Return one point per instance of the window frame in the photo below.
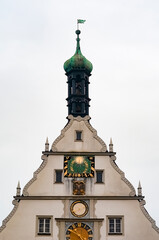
(115, 232)
(44, 233)
(96, 173)
(55, 178)
(76, 139)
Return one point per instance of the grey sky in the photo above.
(121, 39)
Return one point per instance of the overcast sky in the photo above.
(121, 39)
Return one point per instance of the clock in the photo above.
(79, 166)
(79, 208)
(79, 231)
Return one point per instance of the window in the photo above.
(58, 178)
(78, 135)
(44, 225)
(99, 176)
(78, 107)
(115, 225)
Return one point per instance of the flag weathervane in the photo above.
(79, 21)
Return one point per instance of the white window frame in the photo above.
(44, 232)
(115, 232)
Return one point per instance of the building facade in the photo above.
(78, 192)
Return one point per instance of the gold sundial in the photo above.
(79, 166)
(79, 231)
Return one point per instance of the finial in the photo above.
(139, 189)
(78, 49)
(47, 145)
(111, 145)
(18, 189)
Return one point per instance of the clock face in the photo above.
(79, 166)
(79, 231)
(79, 208)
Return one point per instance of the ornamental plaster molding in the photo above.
(115, 166)
(54, 148)
(104, 147)
(79, 119)
(44, 158)
(4, 223)
(147, 215)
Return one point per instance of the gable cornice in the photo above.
(4, 222)
(44, 158)
(115, 166)
(147, 215)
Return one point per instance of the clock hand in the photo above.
(78, 234)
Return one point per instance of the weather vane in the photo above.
(79, 21)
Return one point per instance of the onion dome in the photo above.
(78, 61)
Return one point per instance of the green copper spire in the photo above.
(78, 61)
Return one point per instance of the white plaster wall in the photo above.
(136, 225)
(113, 184)
(88, 143)
(45, 184)
(22, 226)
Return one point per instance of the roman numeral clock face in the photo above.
(79, 231)
(79, 166)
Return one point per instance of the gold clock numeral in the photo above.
(79, 224)
(93, 168)
(73, 226)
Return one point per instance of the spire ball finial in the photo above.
(78, 32)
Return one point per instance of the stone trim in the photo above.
(79, 119)
(79, 153)
(79, 219)
(115, 166)
(147, 215)
(4, 222)
(79, 197)
(44, 158)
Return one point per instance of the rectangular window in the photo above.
(115, 225)
(78, 135)
(58, 176)
(44, 226)
(99, 176)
